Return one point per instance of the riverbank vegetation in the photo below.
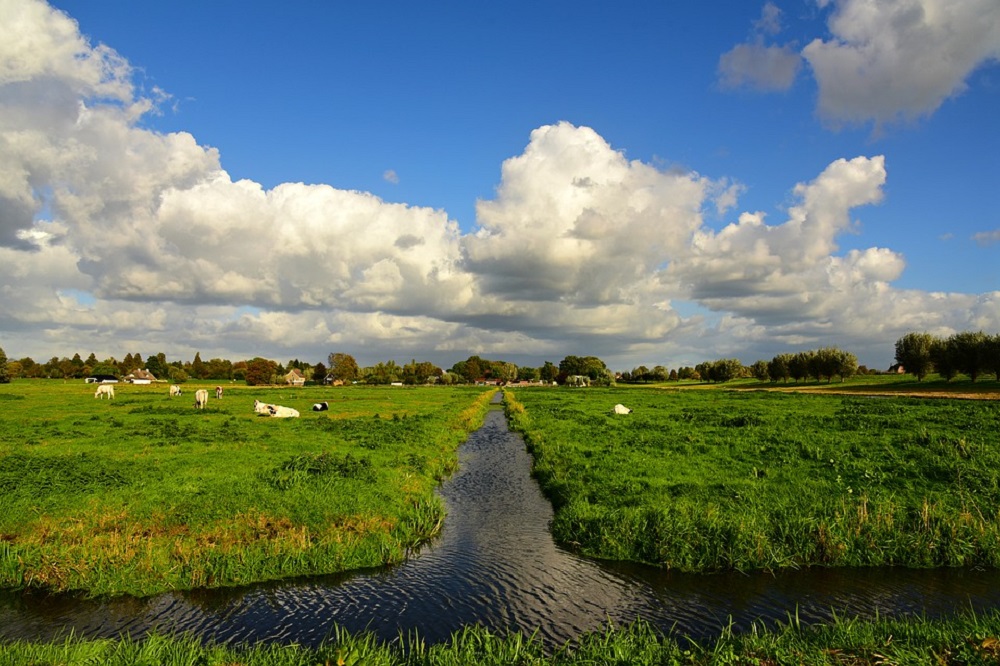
(965, 639)
(144, 493)
(698, 480)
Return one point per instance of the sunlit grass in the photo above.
(716, 479)
(145, 493)
(964, 639)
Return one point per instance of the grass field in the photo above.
(144, 493)
(965, 639)
(700, 480)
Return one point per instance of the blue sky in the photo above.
(426, 106)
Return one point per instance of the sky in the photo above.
(650, 183)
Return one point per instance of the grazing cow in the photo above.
(175, 390)
(622, 409)
(280, 412)
(218, 392)
(320, 407)
(200, 398)
(105, 390)
(262, 407)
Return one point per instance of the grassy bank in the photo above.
(712, 479)
(144, 493)
(965, 639)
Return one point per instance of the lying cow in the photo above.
(262, 407)
(622, 409)
(320, 407)
(218, 392)
(280, 412)
(105, 390)
(200, 398)
(175, 390)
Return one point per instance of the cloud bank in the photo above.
(115, 238)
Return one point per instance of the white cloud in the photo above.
(901, 59)
(986, 238)
(761, 67)
(390, 176)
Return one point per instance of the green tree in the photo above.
(198, 367)
(156, 365)
(970, 352)
(548, 372)
(4, 370)
(104, 369)
(944, 358)
(260, 371)
(913, 352)
(343, 367)
(759, 371)
(993, 355)
(778, 368)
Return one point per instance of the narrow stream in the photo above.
(495, 564)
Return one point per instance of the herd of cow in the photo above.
(201, 399)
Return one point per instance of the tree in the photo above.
(913, 352)
(548, 372)
(944, 358)
(993, 355)
(343, 367)
(260, 371)
(759, 371)
(777, 368)
(4, 371)
(970, 352)
(320, 372)
(104, 369)
(156, 364)
(198, 367)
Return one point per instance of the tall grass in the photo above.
(702, 480)
(145, 493)
(966, 639)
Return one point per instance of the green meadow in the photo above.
(701, 480)
(145, 493)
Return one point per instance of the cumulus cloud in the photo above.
(116, 238)
(758, 65)
(888, 61)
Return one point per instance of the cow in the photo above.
(218, 392)
(622, 409)
(320, 407)
(200, 398)
(105, 390)
(262, 407)
(175, 390)
(280, 412)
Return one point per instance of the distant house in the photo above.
(333, 381)
(140, 377)
(101, 379)
(295, 377)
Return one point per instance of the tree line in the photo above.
(968, 353)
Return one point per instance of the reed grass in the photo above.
(714, 479)
(145, 493)
(966, 639)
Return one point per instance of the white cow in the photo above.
(280, 412)
(218, 392)
(174, 390)
(262, 407)
(622, 409)
(105, 390)
(200, 398)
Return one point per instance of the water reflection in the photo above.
(496, 564)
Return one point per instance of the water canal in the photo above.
(495, 564)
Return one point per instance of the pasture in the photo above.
(700, 480)
(144, 493)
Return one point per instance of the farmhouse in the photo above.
(140, 377)
(295, 377)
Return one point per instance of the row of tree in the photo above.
(968, 353)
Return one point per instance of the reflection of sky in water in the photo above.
(495, 564)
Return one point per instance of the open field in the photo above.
(966, 639)
(144, 493)
(713, 479)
